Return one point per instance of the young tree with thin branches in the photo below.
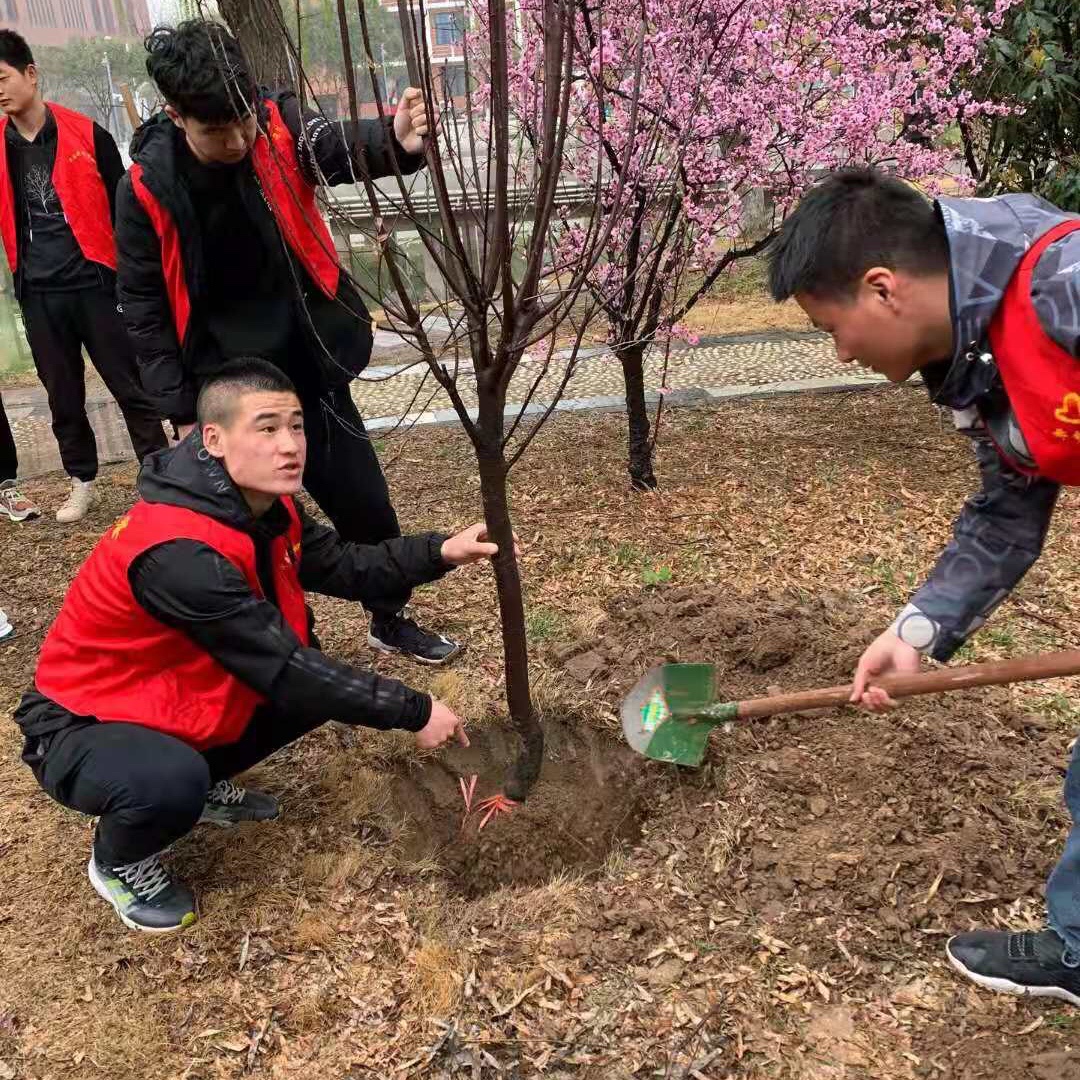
(500, 304)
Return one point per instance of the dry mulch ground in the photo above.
(778, 913)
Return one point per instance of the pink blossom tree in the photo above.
(736, 98)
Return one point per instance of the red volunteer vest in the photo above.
(291, 200)
(79, 188)
(107, 657)
(1041, 379)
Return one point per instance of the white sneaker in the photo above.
(6, 629)
(78, 502)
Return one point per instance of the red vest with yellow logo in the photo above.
(291, 200)
(105, 656)
(78, 185)
(1041, 379)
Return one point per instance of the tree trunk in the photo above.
(524, 771)
(637, 418)
(256, 24)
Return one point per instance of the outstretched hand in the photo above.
(443, 725)
(471, 545)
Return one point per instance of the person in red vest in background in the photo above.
(58, 178)
(184, 652)
(224, 253)
(982, 298)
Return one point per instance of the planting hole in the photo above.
(588, 801)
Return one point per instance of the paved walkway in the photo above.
(400, 395)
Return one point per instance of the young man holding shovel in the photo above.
(224, 253)
(982, 298)
(183, 652)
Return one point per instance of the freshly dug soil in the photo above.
(905, 826)
(590, 799)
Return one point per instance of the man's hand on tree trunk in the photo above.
(471, 545)
(411, 121)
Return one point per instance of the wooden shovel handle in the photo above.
(997, 673)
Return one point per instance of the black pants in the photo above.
(58, 326)
(147, 787)
(9, 458)
(344, 477)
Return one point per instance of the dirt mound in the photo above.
(589, 800)
(803, 641)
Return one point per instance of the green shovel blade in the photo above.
(669, 714)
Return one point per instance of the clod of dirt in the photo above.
(589, 800)
(771, 650)
(585, 666)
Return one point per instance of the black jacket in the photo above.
(110, 166)
(188, 585)
(337, 332)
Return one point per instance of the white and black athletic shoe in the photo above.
(227, 804)
(1016, 963)
(144, 895)
(399, 634)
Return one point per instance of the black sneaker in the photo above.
(144, 895)
(228, 805)
(1016, 963)
(399, 634)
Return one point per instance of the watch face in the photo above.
(916, 629)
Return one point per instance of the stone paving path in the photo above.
(386, 393)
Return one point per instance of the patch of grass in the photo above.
(543, 624)
(1001, 637)
(651, 572)
(657, 575)
(1068, 1022)
(1057, 707)
(965, 654)
(630, 556)
(896, 584)
(1036, 795)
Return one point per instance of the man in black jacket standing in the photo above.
(183, 654)
(224, 253)
(58, 178)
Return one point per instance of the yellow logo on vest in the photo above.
(1069, 411)
(120, 526)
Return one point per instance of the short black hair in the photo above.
(201, 71)
(850, 222)
(14, 50)
(245, 375)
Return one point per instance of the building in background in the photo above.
(56, 22)
(445, 36)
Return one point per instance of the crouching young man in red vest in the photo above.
(982, 296)
(182, 654)
(58, 176)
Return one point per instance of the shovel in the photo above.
(670, 713)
